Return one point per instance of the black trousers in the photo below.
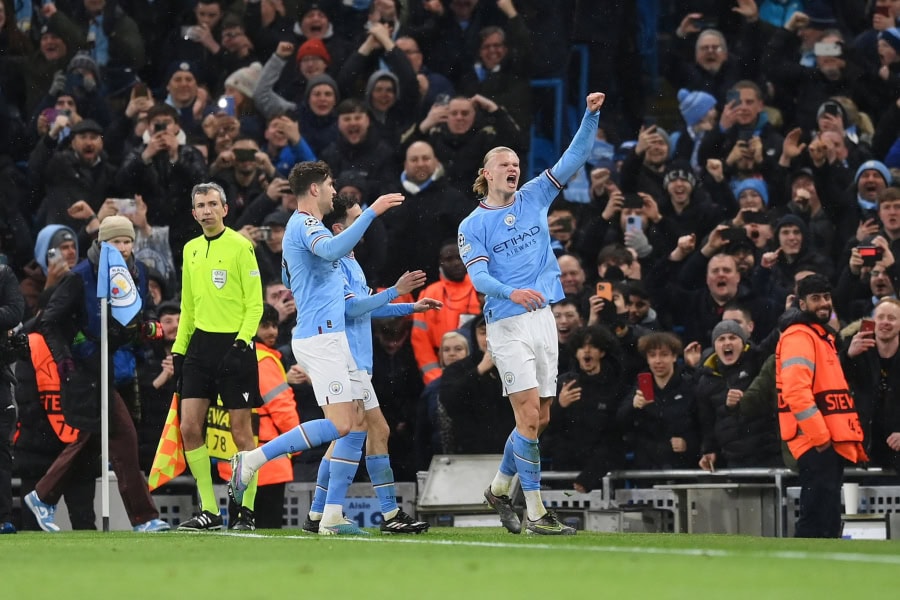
(821, 476)
(7, 426)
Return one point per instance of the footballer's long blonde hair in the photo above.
(480, 187)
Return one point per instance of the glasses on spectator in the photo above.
(711, 48)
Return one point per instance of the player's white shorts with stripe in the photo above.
(361, 382)
(327, 360)
(525, 349)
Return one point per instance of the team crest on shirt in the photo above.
(310, 221)
(335, 387)
(510, 220)
(366, 395)
(509, 378)
(219, 278)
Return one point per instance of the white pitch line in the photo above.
(709, 552)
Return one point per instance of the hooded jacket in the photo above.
(36, 271)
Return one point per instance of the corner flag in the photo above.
(114, 283)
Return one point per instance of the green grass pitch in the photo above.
(460, 563)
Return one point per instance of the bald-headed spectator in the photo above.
(428, 218)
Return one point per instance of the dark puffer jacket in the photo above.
(736, 439)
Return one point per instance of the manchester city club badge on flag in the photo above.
(114, 283)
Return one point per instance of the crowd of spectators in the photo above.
(778, 162)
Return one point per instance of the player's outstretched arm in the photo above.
(386, 202)
(579, 149)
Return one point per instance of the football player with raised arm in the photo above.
(505, 244)
(311, 269)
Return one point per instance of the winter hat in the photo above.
(115, 226)
(322, 79)
(729, 326)
(378, 76)
(892, 37)
(758, 185)
(679, 170)
(694, 105)
(83, 60)
(182, 65)
(791, 219)
(306, 7)
(245, 80)
(813, 284)
(875, 165)
(665, 137)
(313, 47)
(892, 159)
(820, 14)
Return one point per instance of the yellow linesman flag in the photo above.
(169, 461)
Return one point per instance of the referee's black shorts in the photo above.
(201, 379)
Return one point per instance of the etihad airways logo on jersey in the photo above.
(518, 243)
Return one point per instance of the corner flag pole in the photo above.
(115, 289)
(104, 413)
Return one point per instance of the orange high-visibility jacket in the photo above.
(459, 298)
(277, 415)
(47, 377)
(814, 401)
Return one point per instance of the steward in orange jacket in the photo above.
(460, 305)
(816, 412)
(815, 406)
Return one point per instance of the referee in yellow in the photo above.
(221, 305)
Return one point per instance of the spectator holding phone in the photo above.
(659, 417)
(163, 170)
(744, 132)
(866, 279)
(268, 237)
(244, 172)
(872, 365)
(80, 171)
(55, 252)
(316, 112)
(583, 434)
(837, 70)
